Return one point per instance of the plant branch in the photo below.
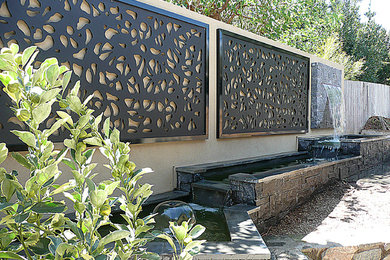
(23, 244)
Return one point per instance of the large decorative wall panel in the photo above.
(146, 67)
(261, 89)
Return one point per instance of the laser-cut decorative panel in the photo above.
(146, 67)
(261, 89)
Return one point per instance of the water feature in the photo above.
(178, 211)
(327, 147)
(214, 220)
(330, 147)
(264, 165)
(172, 211)
(336, 107)
(268, 168)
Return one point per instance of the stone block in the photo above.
(304, 145)
(271, 186)
(275, 203)
(313, 181)
(264, 212)
(292, 182)
(333, 172)
(361, 252)
(290, 198)
(262, 201)
(375, 253)
(184, 181)
(306, 189)
(353, 170)
(314, 253)
(259, 189)
(324, 175)
(344, 174)
(185, 187)
(340, 253)
(244, 193)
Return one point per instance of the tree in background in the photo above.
(222, 10)
(311, 26)
(368, 41)
(304, 24)
(384, 72)
(372, 45)
(333, 50)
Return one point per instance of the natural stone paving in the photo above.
(353, 214)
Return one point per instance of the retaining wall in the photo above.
(276, 195)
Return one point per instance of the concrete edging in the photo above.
(246, 241)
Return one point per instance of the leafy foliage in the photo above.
(35, 217)
(183, 236)
(309, 25)
(32, 216)
(368, 41)
(222, 10)
(304, 24)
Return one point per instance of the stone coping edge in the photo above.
(201, 168)
(250, 178)
(375, 137)
(246, 242)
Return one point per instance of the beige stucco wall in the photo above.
(162, 157)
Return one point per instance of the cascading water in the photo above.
(336, 106)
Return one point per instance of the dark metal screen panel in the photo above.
(261, 89)
(146, 67)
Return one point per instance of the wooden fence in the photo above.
(362, 100)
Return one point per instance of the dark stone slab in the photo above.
(322, 74)
(171, 195)
(210, 193)
(202, 168)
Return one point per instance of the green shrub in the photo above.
(183, 244)
(33, 218)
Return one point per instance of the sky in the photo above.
(381, 8)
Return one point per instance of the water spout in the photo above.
(336, 106)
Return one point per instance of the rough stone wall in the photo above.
(375, 154)
(276, 195)
(386, 151)
(185, 180)
(322, 74)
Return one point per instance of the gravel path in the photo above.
(343, 214)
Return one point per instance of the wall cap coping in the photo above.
(363, 139)
(286, 171)
(246, 241)
(211, 185)
(202, 168)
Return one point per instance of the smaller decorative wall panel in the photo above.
(146, 67)
(261, 89)
(322, 76)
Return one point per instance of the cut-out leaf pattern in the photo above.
(264, 89)
(123, 52)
